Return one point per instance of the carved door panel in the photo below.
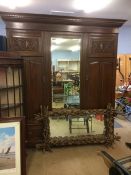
(102, 45)
(34, 84)
(98, 70)
(24, 42)
(34, 93)
(107, 78)
(92, 93)
(100, 83)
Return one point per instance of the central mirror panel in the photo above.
(65, 54)
(65, 74)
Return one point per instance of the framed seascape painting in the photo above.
(12, 148)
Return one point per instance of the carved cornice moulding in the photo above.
(51, 19)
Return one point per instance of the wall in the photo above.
(124, 40)
(2, 28)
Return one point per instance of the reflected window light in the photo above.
(53, 47)
(75, 48)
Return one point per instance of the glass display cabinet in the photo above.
(11, 85)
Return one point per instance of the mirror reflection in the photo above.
(65, 58)
(76, 125)
(65, 54)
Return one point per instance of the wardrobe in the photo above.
(29, 35)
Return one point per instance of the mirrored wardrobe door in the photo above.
(65, 72)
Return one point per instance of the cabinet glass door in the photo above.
(65, 57)
(11, 101)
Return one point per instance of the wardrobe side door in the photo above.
(100, 83)
(107, 76)
(34, 98)
(93, 85)
(34, 85)
(98, 65)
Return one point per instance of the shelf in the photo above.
(10, 87)
(70, 71)
(6, 107)
(68, 60)
(68, 65)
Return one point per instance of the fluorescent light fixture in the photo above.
(12, 4)
(58, 40)
(89, 6)
(74, 48)
(58, 11)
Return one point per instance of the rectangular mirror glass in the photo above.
(65, 56)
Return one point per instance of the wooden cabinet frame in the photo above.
(29, 34)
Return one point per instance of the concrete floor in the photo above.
(81, 160)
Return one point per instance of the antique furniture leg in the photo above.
(70, 124)
(87, 123)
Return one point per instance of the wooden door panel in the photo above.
(34, 95)
(24, 42)
(121, 70)
(125, 68)
(100, 83)
(93, 85)
(102, 45)
(107, 83)
(34, 85)
(128, 66)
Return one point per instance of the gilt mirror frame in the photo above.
(107, 138)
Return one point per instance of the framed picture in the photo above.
(12, 147)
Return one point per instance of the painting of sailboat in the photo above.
(7, 148)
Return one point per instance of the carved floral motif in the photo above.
(102, 46)
(24, 44)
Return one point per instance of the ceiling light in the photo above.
(12, 4)
(91, 5)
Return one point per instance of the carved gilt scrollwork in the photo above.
(106, 138)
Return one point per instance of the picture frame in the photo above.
(12, 146)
